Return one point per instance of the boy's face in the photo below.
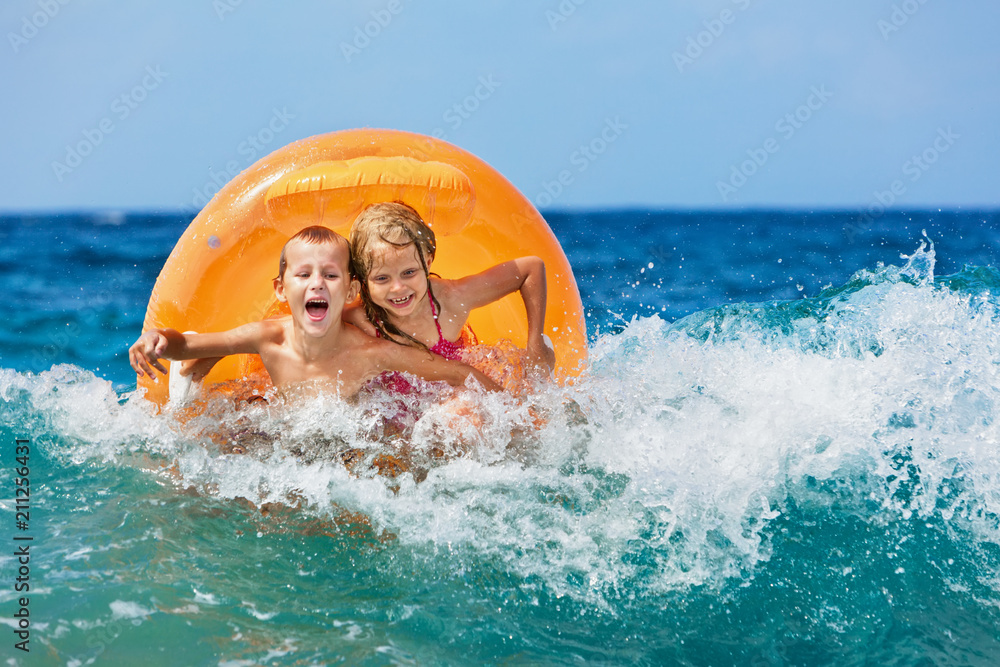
(316, 284)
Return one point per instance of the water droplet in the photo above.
(214, 241)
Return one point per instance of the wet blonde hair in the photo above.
(398, 225)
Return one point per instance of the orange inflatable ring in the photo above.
(219, 273)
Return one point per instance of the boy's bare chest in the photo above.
(345, 370)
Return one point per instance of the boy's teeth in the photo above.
(316, 307)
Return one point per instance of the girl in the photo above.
(391, 253)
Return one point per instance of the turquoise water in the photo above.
(785, 451)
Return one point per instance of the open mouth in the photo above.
(316, 309)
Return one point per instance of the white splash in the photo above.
(661, 468)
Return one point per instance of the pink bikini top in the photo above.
(395, 382)
(444, 347)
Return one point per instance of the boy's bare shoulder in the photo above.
(374, 355)
(275, 323)
(273, 330)
(358, 341)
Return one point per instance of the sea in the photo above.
(784, 450)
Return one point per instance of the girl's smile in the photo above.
(397, 282)
(401, 302)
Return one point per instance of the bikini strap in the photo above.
(435, 315)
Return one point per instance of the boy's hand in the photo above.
(540, 353)
(145, 353)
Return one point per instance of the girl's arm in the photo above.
(429, 366)
(524, 274)
(156, 344)
(355, 314)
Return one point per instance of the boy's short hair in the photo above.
(316, 234)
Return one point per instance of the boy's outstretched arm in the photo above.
(153, 345)
(156, 344)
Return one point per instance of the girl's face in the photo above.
(397, 281)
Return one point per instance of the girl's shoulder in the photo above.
(452, 296)
(443, 288)
(479, 289)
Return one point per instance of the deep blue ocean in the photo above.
(785, 451)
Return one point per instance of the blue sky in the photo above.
(686, 104)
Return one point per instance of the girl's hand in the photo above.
(145, 353)
(540, 352)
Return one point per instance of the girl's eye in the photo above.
(409, 272)
(379, 279)
(331, 276)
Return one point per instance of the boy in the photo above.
(314, 349)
